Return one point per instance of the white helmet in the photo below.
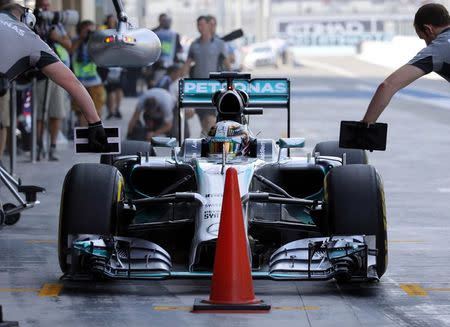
(228, 137)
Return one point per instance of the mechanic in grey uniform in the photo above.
(153, 115)
(432, 24)
(22, 50)
(208, 53)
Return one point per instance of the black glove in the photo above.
(97, 137)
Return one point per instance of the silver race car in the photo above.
(141, 216)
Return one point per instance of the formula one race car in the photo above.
(142, 216)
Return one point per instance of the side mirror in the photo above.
(290, 143)
(164, 142)
(125, 47)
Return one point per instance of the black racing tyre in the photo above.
(331, 148)
(90, 198)
(128, 147)
(354, 203)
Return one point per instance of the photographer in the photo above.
(30, 52)
(85, 69)
(53, 33)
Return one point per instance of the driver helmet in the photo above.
(229, 137)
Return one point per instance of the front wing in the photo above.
(341, 257)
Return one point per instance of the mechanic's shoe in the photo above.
(118, 115)
(110, 115)
(51, 154)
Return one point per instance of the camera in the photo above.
(65, 17)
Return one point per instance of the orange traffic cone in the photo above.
(232, 283)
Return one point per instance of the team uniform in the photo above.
(22, 50)
(208, 57)
(435, 57)
(151, 121)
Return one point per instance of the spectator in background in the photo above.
(170, 47)
(206, 52)
(153, 115)
(111, 78)
(229, 49)
(173, 74)
(47, 91)
(85, 69)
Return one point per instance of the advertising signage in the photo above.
(338, 31)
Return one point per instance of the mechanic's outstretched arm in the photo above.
(63, 76)
(402, 77)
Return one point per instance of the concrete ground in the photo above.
(415, 291)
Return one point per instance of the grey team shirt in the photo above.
(21, 49)
(164, 99)
(436, 56)
(207, 56)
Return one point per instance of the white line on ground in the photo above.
(444, 190)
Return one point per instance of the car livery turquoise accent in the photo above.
(260, 91)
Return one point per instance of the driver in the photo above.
(29, 51)
(230, 138)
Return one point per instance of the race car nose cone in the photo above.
(127, 48)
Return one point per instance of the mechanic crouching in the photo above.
(153, 115)
(27, 51)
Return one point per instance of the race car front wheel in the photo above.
(354, 202)
(332, 149)
(90, 197)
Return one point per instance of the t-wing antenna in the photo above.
(229, 77)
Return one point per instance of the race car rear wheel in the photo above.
(354, 202)
(331, 148)
(89, 205)
(128, 147)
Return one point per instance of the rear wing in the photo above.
(269, 93)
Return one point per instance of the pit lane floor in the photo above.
(415, 291)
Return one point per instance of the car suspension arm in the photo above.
(272, 185)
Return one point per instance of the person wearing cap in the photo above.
(30, 52)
